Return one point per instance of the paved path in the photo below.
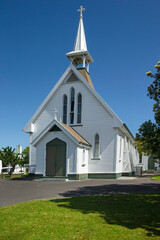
(16, 191)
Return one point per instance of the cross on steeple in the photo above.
(81, 10)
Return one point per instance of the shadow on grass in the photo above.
(131, 211)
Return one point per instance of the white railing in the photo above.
(18, 169)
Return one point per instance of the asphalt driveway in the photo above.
(16, 191)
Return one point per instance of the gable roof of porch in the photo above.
(69, 131)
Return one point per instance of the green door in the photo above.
(150, 163)
(56, 158)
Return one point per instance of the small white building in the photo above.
(147, 163)
(74, 133)
(19, 149)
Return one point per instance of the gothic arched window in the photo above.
(72, 106)
(65, 109)
(79, 108)
(96, 146)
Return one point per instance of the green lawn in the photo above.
(128, 216)
(156, 178)
(13, 175)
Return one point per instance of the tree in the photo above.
(154, 92)
(25, 155)
(8, 156)
(148, 138)
(139, 146)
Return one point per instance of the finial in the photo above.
(55, 113)
(81, 10)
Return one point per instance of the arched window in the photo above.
(65, 109)
(72, 106)
(96, 146)
(79, 108)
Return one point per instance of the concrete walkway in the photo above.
(16, 191)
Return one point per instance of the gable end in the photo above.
(72, 78)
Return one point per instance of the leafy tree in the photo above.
(148, 138)
(8, 156)
(25, 155)
(24, 158)
(154, 92)
(139, 146)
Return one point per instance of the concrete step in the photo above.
(45, 179)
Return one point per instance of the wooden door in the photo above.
(56, 158)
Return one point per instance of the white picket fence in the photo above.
(18, 169)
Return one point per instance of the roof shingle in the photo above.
(85, 74)
(76, 135)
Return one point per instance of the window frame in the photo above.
(95, 156)
(79, 113)
(66, 106)
(72, 107)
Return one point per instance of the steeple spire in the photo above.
(80, 54)
(80, 42)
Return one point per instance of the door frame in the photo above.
(45, 155)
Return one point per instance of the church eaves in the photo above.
(56, 125)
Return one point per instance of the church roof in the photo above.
(117, 123)
(85, 74)
(76, 135)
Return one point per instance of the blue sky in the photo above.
(122, 37)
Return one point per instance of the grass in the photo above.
(131, 216)
(13, 176)
(156, 178)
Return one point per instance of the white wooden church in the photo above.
(74, 133)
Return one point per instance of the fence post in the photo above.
(2, 172)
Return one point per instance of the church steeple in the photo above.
(80, 42)
(80, 54)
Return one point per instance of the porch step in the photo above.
(45, 179)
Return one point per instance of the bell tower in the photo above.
(80, 54)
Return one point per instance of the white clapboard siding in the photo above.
(95, 119)
(70, 154)
(32, 156)
(82, 161)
